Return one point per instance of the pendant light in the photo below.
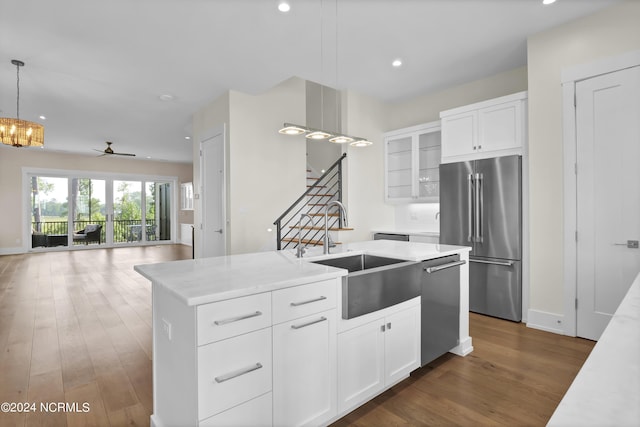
(319, 134)
(16, 132)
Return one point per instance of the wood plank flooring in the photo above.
(75, 326)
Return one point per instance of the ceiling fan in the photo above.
(109, 150)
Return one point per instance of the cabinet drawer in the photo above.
(257, 412)
(225, 319)
(299, 301)
(233, 371)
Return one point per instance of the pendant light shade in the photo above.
(16, 132)
(318, 134)
(290, 129)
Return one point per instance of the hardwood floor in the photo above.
(75, 326)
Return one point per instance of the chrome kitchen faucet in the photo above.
(325, 242)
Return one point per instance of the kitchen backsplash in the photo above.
(418, 217)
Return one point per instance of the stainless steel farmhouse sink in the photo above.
(374, 282)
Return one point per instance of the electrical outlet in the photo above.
(166, 328)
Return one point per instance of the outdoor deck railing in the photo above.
(129, 230)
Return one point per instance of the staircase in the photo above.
(312, 202)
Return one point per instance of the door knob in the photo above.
(218, 231)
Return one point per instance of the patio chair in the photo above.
(90, 233)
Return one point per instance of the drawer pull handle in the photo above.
(443, 266)
(296, 304)
(239, 372)
(235, 319)
(313, 322)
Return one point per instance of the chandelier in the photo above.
(16, 132)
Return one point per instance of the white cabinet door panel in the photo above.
(360, 364)
(304, 370)
(500, 127)
(459, 134)
(402, 344)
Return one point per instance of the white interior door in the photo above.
(212, 194)
(608, 195)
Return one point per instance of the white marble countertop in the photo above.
(606, 391)
(205, 280)
(408, 232)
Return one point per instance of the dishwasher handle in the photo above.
(444, 266)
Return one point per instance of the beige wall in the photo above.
(12, 161)
(365, 117)
(612, 31)
(427, 108)
(266, 169)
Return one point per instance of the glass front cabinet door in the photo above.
(412, 160)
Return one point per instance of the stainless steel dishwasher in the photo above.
(440, 306)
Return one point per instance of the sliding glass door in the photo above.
(87, 212)
(48, 197)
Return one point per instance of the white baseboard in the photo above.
(544, 321)
(465, 347)
(12, 251)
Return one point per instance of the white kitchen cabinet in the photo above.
(412, 158)
(376, 354)
(259, 359)
(490, 128)
(304, 370)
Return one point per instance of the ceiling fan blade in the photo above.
(110, 151)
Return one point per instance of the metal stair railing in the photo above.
(326, 188)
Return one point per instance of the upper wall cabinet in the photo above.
(492, 128)
(412, 159)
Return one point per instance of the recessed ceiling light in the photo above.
(283, 6)
(166, 97)
(43, 118)
(187, 137)
(548, 1)
(397, 63)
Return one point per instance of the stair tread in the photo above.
(322, 214)
(320, 195)
(307, 241)
(306, 227)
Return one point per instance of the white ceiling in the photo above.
(96, 69)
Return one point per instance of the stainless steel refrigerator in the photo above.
(481, 207)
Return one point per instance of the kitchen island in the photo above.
(606, 391)
(259, 339)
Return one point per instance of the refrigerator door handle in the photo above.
(480, 209)
(476, 202)
(469, 207)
